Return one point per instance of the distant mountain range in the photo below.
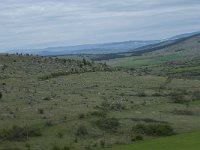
(107, 48)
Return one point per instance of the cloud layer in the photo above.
(37, 23)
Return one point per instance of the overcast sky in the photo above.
(45, 23)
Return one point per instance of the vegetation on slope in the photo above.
(89, 109)
(180, 60)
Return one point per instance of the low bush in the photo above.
(99, 113)
(81, 116)
(109, 106)
(141, 94)
(183, 112)
(40, 111)
(178, 98)
(102, 143)
(60, 135)
(82, 131)
(137, 138)
(110, 124)
(154, 129)
(47, 98)
(17, 133)
(48, 123)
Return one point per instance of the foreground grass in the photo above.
(189, 141)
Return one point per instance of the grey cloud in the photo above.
(37, 23)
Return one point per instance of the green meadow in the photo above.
(188, 141)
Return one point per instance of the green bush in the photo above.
(60, 135)
(40, 111)
(19, 133)
(82, 131)
(178, 98)
(109, 106)
(111, 124)
(48, 123)
(141, 94)
(183, 112)
(138, 138)
(102, 143)
(154, 129)
(99, 113)
(81, 116)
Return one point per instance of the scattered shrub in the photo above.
(60, 135)
(148, 120)
(183, 112)
(82, 131)
(108, 106)
(75, 140)
(178, 98)
(154, 129)
(141, 94)
(111, 124)
(17, 133)
(48, 124)
(137, 138)
(47, 98)
(81, 116)
(99, 113)
(40, 111)
(102, 143)
(157, 94)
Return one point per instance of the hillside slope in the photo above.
(49, 103)
(180, 60)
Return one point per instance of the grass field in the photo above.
(189, 141)
(78, 110)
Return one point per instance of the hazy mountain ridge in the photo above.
(107, 48)
(89, 48)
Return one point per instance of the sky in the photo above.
(29, 24)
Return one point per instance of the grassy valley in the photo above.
(62, 104)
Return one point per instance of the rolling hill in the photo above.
(61, 104)
(179, 59)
